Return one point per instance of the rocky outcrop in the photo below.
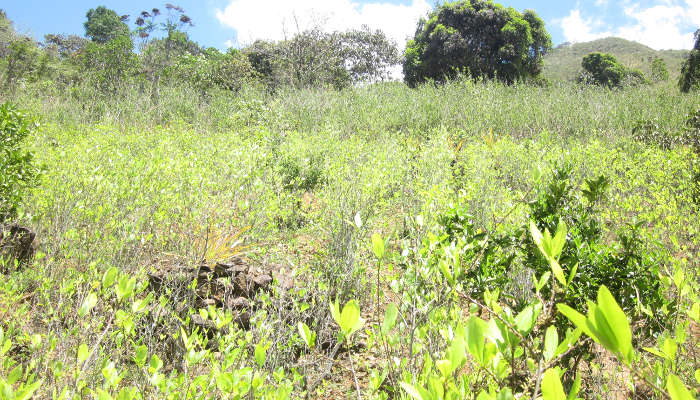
(232, 285)
(17, 245)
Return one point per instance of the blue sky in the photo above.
(660, 24)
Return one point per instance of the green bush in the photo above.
(604, 69)
(16, 164)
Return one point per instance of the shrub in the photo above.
(659, 72)
(602, 69)
(690, 70)
(16, 164)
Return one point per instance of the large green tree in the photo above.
(602, 69)
(103, 25)
(479, 38)
(690, 71)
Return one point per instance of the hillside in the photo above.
(564, 61)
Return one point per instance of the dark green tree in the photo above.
(109, 65)
(22, 60)
(690, 70)
(602, 69)
(103, 25)
(479, 38)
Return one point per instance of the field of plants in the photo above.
(467, 240)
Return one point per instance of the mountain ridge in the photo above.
(564, 61)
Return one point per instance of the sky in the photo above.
(659, 24)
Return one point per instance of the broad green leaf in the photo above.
(103, 395)
(578, 319)
(109, 277)
(551, 341)
(476, 328)
(654, 352)
(140, 355)
(155, 364)
(677, 390)
(536, 236)
(27, 392)
(557, 271)
(82, 353)
(456, 351)
(445, 269)
(350, 320)
(224, 381)
(559, 240)
(14, 375)
(378, 246)
(260, 354)
(551, 386)
(505, 394)
(525, 320)
(437, 389)
(306, 335)
(411, 390)
(575, 388)
(669, 347)
(390, 316)
(543, 281)
(572, 274)
(88, 304)
(618, 323)
(694, 312)
(445, 367)
(335, 311)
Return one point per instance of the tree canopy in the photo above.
(690, 71)
(604, 69)
(481, 38)
(104, 24)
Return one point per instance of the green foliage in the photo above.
(109, 65)
(690, 70)
(104, 25)
(563, 63)
(659, 71)
(22, 60)
(303, 174)
(17, 164)
(477, 38)
(602, 69)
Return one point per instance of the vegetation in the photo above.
(690, 71)
(659, 72)
(258, 233)
(603, 69)
(18, 171)
(477, 38)
(564, 61)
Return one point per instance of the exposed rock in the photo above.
(233, 285)
(16, 244)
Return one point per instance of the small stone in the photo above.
(262, 281)
(239, 303)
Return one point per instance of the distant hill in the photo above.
(564, 62)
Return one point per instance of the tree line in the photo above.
(479, 39)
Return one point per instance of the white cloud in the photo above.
(667, 26)
(275, 19)
(577, 29)
(658, 27)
